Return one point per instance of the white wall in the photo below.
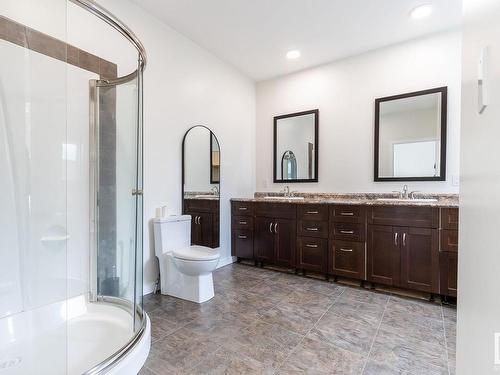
(344, 91)
(184, 85)
(479, 253)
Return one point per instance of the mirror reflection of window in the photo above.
(295, 147)
(289, 166)
(410, 129)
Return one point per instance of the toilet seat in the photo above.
(196, 253)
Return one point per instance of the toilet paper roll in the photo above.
(158, 212)
(164, 211)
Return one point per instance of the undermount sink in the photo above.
(285, 198)
(416, 200)
(206, 196)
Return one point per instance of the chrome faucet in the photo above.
(215, 190)
(405, 192)
(286, 191)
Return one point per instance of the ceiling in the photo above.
(254, 35)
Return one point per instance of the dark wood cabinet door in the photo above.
(383, 263)
(242, 244)
(312, 254)
(195, 229)
(420, 259)
(206, 229)
(346, 258)
(264, 239)
(285, 244)
(448, 264)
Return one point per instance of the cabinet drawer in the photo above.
(242, 208)
(347, 259)
(449, 240)
(348, 213)
(312, 254)
(312, 228)
(347, 231)
(242, 244)
(420, 217)
(242, 222)
(312, 212)
(275, 210)
(449, 218)
(201, 205)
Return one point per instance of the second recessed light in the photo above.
(293, 54)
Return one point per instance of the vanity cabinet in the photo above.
(448, 252)
(275, 234)
(204, 221)
(346, 256)
(403, 255)
(411, 247)
(242, 229)
(312, 240)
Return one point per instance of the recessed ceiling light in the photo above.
(293, 54)
(421, 11)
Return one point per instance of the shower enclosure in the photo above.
(71, 196)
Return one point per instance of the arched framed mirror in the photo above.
(201, 184)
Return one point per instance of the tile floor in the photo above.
(266, 322)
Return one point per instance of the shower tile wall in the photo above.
(44, 164)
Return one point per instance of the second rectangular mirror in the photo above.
(410, 136)
(296, 147)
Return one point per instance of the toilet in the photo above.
(185, 269)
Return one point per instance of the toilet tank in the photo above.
(172, 232)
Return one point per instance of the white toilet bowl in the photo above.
(185, 271)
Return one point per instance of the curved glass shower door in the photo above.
(118, 184)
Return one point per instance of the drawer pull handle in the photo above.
(396, 239)
(347, 231)
(243, 223)
(312, 229)
(242, 208)
(270, 227)
(276, 228)
(242, 237)
(311, 245)
(346, 250)
(347, 213)
(404, 239)
(312, 212)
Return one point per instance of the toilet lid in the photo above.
(196, 253)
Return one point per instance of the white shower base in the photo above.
(70, 337)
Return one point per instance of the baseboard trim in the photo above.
(226, 261)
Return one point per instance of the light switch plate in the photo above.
(455, 180)
(482, 81)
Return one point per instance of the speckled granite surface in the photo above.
(371, 199)
(205, 195)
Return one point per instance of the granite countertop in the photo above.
(369, 199)
(201, 195)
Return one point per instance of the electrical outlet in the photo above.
(455, 180)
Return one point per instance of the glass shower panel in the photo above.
(33, 203)
(117, 207)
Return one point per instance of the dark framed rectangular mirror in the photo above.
(296, 147)
(410, 136)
